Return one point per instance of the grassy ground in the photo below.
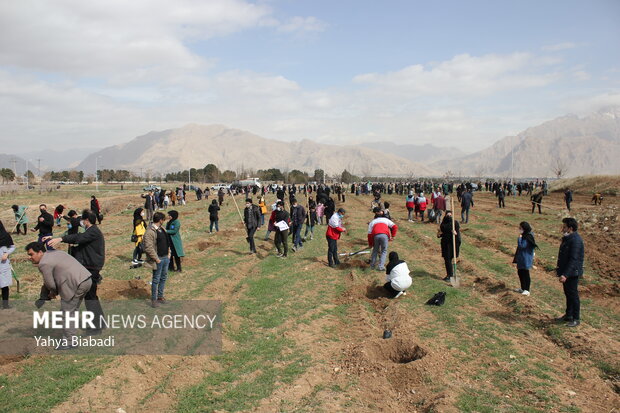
(301, 337)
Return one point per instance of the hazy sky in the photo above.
(454, 73)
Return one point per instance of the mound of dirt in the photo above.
(203, 245)
(488, 285)
(11, 359)
(602, 290)
(600, 227)
(348, 264)
(604, 184)
(123, 289)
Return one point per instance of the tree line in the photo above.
(210, 173)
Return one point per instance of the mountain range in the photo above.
(582, 146)
(578, 146)
(55, 160)
(19, 166)
(194, 146)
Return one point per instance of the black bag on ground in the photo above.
(432, 215)
(438, 299)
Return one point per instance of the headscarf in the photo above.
(527, 234)
(5, 237)
(393, 262)
(446, 225)
(174, 215)
(137, 216)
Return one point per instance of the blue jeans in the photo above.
(332, 252)
(380, 246)
(159, 278)
(297, 235)
(465, 215)
(262, 220)
(214, 222)
(309, 229)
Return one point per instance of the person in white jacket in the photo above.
(397, 276)
(7, 246)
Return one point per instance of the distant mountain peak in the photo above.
(588, 145)
(233, 149)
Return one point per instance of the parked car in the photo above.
(217, 187)
(151, 187)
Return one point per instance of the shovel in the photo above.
(454, 280)
(350, 254)
(15, 276)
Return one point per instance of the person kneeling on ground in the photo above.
(397, 276)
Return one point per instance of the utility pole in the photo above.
(27, 181)
(97, 173)
(512, 164)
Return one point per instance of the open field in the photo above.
(302, 337)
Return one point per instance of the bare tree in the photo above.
(560, 168)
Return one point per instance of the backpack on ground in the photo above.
(432, 215)
(438, 299)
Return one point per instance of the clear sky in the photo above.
(462, 73)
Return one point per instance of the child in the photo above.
(320, 212)
(386, 211)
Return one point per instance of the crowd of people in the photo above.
(156, 236)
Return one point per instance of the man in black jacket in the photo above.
(467, 201)
(569, 269)
(45, 224)
(298, 215)
(568, 198)
(74, 227)
(149, 205)
(501, 195)
(251, 218)
(90, 252)
(537, 201)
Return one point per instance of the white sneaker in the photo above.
(518, 290)
(399, 294)
(525, 292)
(404, 292)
